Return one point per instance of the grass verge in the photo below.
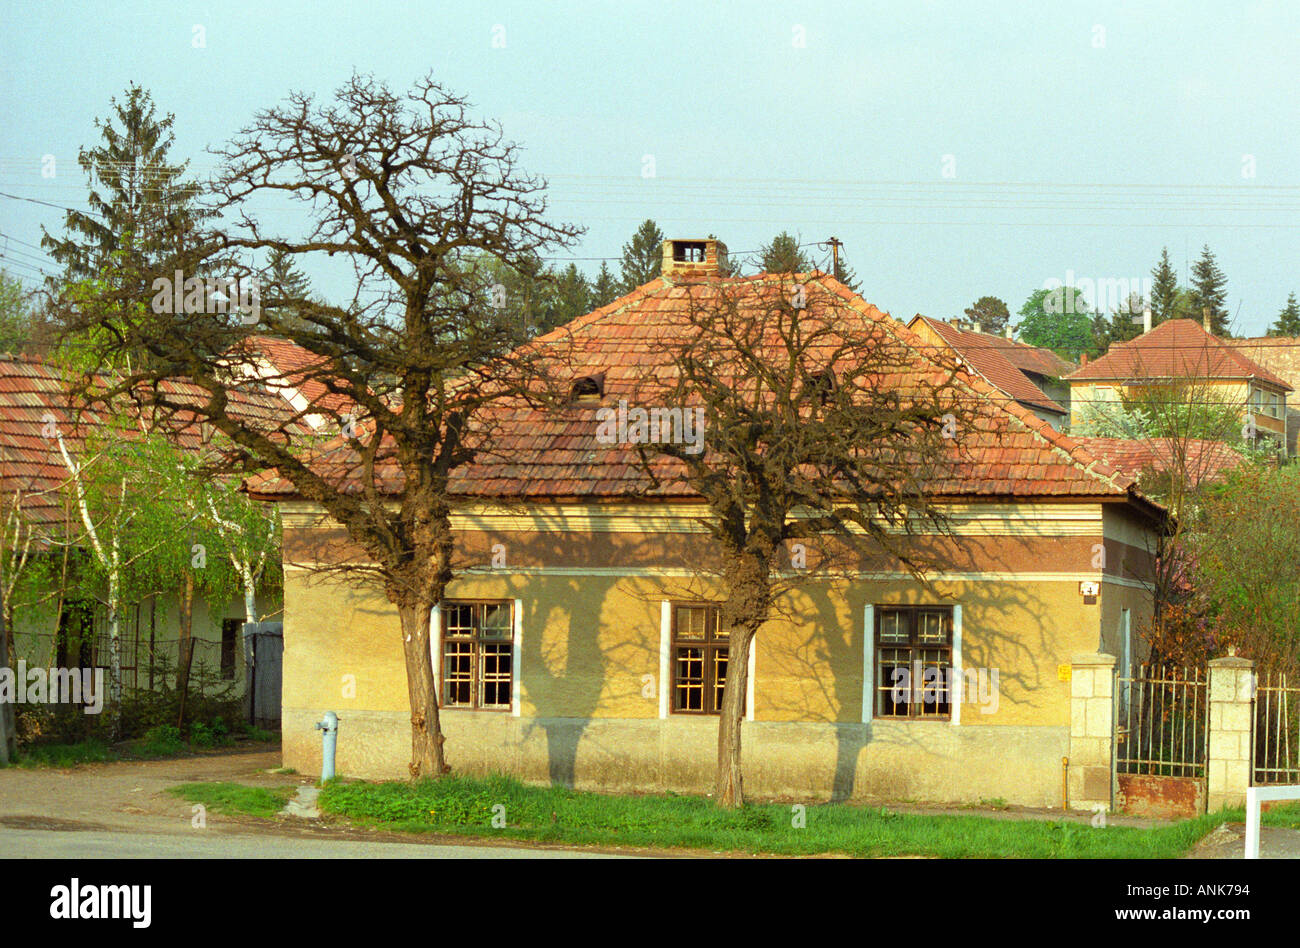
(504, 808)
(235, 799)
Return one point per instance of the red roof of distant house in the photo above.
(1176, 349)
(555, 454)
(1201, 460)
(1003, 362)
(295, 369)
(34, 393)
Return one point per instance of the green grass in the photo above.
(234, 798)
(467, 806)
(90, 751)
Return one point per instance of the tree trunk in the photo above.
(426, 727)
(186, 652)
(114, 658)
(250, 595)
(8, 741)
(729, 790)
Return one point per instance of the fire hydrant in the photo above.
(329, 729)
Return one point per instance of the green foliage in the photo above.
(1178, 412)
(990, 313)
(1164, 290)
(235, 799)
(642, 257)
(92, 750)
(1210, 289)
(466, 805)
(165, 740)
(1060, 320)
(605, 290)
(783, 255)
(1246, 555)
(19, 325)
(214, 733)
(1288, 321)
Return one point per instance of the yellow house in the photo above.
(1179, 357)
(578, 643)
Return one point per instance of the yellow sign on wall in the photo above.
(1063, 672)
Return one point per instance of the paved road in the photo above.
(205, 844)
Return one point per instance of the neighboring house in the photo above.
(298, 375)
(1281, 356)
(591, 657)
(1199, 460)
(34, 400)
(1180, 357)
(1031, 376)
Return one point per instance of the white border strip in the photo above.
(955, 699)
(435, 648)
(516, 657)
(665, 646)
(1254, 797)
(749, 684)
(868, 663)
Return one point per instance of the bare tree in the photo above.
(824, 426)
(414, 193)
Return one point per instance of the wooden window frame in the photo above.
(915, 648)
(476, 640)
(713, 642)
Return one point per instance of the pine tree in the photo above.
(572, 297)
(1288, 321)
(990, 313)
(1164, 290)
(282, 280)
(1209, 289)
(139, 204)
(642, 257)
(844, 273)
(605, 290)
(783, 255)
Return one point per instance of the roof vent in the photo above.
(587, 388)
(693, 258)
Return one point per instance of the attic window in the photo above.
(688, 251)
(588, 388)
(820, 385)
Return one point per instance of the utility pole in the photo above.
(835, 245)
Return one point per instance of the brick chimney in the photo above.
(1011, 332)
(1205, 318)
(694, 258)
(1083, 359)
(1146, 319)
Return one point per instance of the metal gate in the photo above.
(1162, 741)
(263, 652)
(1275, 730)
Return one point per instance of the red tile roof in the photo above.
(996, 358)
(1202, 460)
(1176, 349)
(555, 454)
(283, 364)
(34, 392)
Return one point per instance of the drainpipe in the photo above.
(329, 729)
(1065, 783)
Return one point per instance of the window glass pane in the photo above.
(720, 677)
(688, 681)
(932, 627)
(494, 685)
(893, 682)
(691, 622)
(458, 619)
(893, 626)
(457, 673)
(496, 620)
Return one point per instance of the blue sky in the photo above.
(1082, 137)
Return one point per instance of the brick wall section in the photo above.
(1228, 765)
(1092, 729)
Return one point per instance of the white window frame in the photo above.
(869, 666)
(516, 656)
(665, 664)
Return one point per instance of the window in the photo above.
(477, 655)
(230, 629)
(1104, 395)
(699, 659)
(688, 251)
(914, 662)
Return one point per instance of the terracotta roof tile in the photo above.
(1176, 349)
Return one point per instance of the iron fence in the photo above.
(1275, 730)
(1162, 722)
